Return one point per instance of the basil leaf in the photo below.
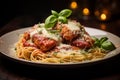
(107, 45)
(50, 21)
(65, 13)
(54, 13)
(103, 39)
(97, 42)
(62, 19)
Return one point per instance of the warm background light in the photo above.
(73, 5)
(103, 26)
(97, 13)
(86, 11)
(103, 16)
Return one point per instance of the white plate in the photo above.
(8, 40)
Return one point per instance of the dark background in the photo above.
(39, 8)
(10, 9)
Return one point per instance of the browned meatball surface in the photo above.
(81, 44)
(67, 34)
(45, 44)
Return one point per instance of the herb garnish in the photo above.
(104, 43)
(57, 17)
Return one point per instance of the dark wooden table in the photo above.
(106, 70)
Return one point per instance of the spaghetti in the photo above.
(39, 45)
(59, 40)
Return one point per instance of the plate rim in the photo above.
(58, 64)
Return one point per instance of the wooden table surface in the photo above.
(106, 70)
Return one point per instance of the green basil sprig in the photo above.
(57, 17)
(65, 13)
(108, 45)
(54, 13)
(104, 43)
(62, 19)
(50, 21)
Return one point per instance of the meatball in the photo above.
(81, 44)
(43, 43)
(26, 34)
(68, 31)
(68, 34)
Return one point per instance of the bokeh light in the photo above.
(73, 5)
(103, 16)
(86, 11)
